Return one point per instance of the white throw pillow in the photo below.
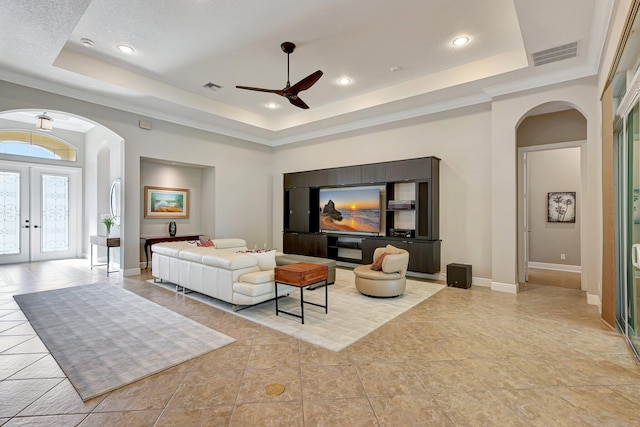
(266, 259)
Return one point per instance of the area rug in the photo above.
(104, 337)
(351, 315)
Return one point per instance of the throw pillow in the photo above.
(206, 243)
(266, 258)
(391, 250)
(377, 263)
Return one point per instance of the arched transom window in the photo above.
(34, 144)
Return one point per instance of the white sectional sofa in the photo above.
(220, 271)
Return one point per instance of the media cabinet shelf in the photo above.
(414, 179)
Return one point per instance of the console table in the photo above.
(107, 242)
(148, 241)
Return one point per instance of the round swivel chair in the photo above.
(390, 280)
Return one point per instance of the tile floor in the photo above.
(465, 357)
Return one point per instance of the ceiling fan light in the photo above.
(43, 122)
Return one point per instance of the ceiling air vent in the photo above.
(555, 54)
(214, 87)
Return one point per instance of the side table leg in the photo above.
(108, 261)
(277, 311)
(326, 297)
(91, 256)
(147, 248)
(302, 304)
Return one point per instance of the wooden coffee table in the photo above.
(302, 275)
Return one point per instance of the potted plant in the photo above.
(108, 221)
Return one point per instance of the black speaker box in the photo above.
(459, 275)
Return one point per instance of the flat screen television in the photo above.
(350, 209)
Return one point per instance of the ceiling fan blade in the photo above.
(306, 83)
(297, 102)
(259, 89)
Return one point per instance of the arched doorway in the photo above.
(551, 141)
(71, 169)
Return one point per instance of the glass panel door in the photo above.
(633, 215)
(54, 213)
(39, 214)
(14, 211)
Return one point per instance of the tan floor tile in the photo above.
(149, 393)
(631, 392)
(437, 376)
(353, 412)
(275, 414)
(47, 421)
(389, 379)
(330, 382)
(312, 355)
(255, 381)
(499, 373)
(602, 403)
(195, 417)
(133, 419)
(480, 408)
(200, 390)
(227, 357)
(271, 356)
(414, 410)
(540, 407)
(484, 358)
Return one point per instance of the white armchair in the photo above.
(390, 280)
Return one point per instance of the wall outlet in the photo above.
(562, 256)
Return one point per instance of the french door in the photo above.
(38, 212)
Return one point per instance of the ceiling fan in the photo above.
(291, 92)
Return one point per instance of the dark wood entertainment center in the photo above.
(417, 177)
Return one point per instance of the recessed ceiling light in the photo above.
(125, 49)
(395, 68)
(86, 42)
(460, 41)
(344, 81)
(272, 105)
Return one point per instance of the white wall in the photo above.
(552, 171)
(508, 111)
(242, 183)
(477, 146)
(459, 138)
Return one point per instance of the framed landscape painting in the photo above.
(162, 202)
(561, 206)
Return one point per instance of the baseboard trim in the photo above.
(131, 272)
(594, 300)
(557, 267)
(481, 281)
(511, 288)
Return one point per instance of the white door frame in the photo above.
(522, 214)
